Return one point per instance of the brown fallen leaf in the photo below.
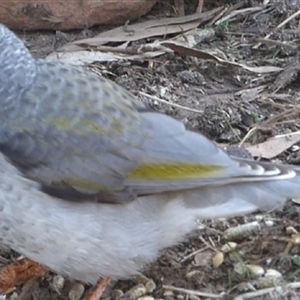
(20, 272)
(275, 145)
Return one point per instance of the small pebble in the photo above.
(195, 275)
(291, 230)
(168, 293)
(240, 268)
(57, 284)
(229, 247)
(14, 296)
(117, 294)
(273, 273)
(255, 270)
(259, 218)
(150, 286)
(218, 259)
(269, 223)
(267, 282)
(76, 291)
(137, 291)
(203, 259)
(295, 238)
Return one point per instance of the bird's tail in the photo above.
(242, 198)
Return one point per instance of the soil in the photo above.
(226, 114)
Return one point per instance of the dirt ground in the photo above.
(226, 115)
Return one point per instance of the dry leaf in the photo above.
(182, 49)
(274, 146)
(138, 31)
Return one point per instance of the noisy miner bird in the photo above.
(94, 184)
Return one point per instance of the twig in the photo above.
(192, 292)
(170, 104)
(249, 133)
(286, 113)
(193, 254)
(251, 295)
(277, 43)
(294, 15)
(207, 244)
(239, 11)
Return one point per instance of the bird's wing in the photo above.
(177, 159)
(82, 136)
(71, 130)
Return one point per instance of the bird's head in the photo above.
(17, 67)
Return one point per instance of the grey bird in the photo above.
(94, 184)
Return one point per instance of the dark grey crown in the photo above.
(17, 68)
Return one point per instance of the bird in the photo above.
(95, 184)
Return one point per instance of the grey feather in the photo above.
(81, 136)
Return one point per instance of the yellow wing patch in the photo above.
(81, 185)
(82, 127)
(156, 172)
